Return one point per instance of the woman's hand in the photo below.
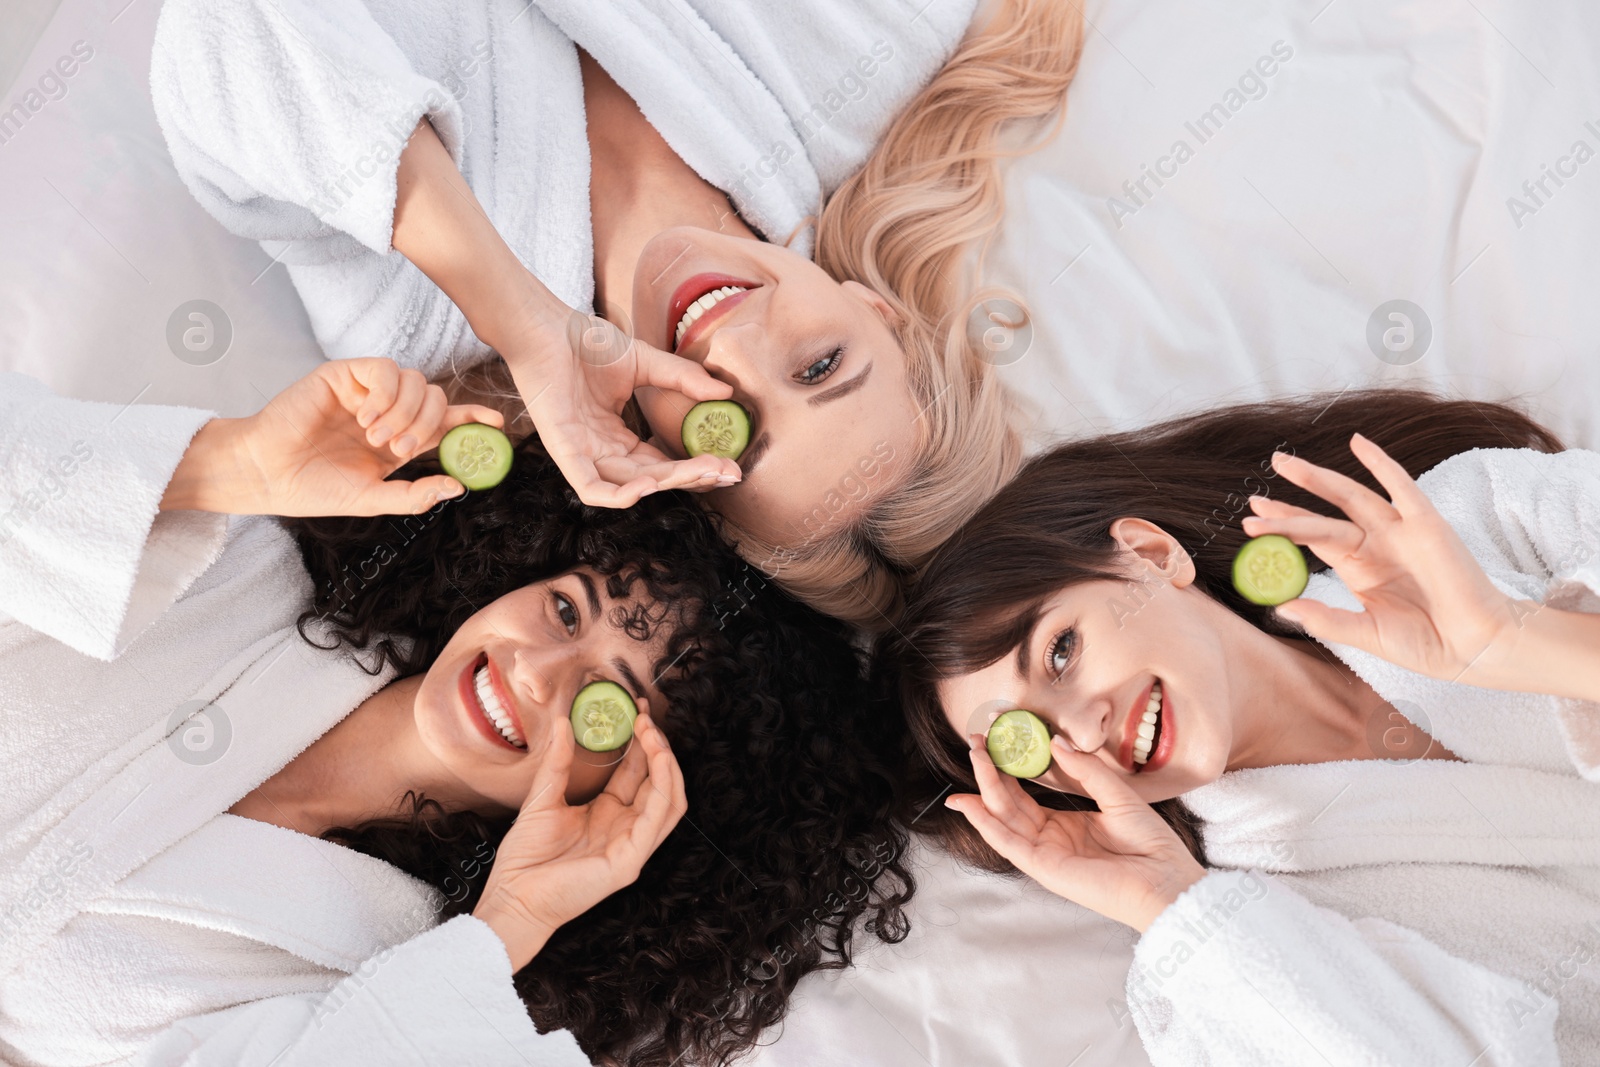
(558, 860)
(575, 372)
(576, 384)
(1429, 607)
(1123, 861)
(324, 446)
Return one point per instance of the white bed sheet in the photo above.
(1375, 166)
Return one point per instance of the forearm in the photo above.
(1548, 651)
(214, 476)
(440, 226)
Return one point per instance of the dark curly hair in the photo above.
(790, 848)
(984, 590)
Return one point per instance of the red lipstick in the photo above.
(693, 289)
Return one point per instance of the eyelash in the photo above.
(564, 607)
(831, 359)
(1064, 643)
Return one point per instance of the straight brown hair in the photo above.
(1192, 476)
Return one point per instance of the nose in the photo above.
(536, 675)
(731, 355)
(1084, 723)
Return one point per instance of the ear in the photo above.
(1159, 550)
(872, 299)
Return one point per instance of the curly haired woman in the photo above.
(248, 778)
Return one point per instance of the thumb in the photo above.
(409, 498)
(667, 371)
(549, 788)
(1353, 628)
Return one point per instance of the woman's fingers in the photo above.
(664, 800)
(1399, 484)
(549, 788)
(630, 771)
(1366, 508)
(1101, 784)
(1003, 839)
(461, 414)
(402, 498)
(598, 491)
(409, 393)
(1328, 537)
(1002, 794)
(378, 378)
(423, 430)
(1271, 508)
(1335, 625)
(663, 370)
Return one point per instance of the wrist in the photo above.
(523, 322)
(214, 474)
(524, 935)
(1165, 894)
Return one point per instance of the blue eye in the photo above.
(822, 367)
(1062, 651)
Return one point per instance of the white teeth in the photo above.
(494, 709)
(1145, 739)
(701, 306)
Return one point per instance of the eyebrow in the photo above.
(628, 677)
(1023, 648)
(828, 396)
(619, 664)
(590, 592)
(752, 455)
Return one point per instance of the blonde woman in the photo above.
(531, 161)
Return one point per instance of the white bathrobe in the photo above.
(150, 677)
(1416, 913)
(286, 119)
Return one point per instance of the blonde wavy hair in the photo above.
(930, 195)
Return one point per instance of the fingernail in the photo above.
(407, 443)
(380, 435)
(727, 479)
(948, 804)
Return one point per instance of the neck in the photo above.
(1307, 708)
(358, 771)
(638, 187)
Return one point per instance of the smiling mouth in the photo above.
(701, 299)
(483, 696)
(1147, 734)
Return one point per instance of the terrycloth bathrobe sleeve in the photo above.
(287, 118)
(85, 554)
(445, 996)
(1243, 970)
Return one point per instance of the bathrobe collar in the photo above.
(1356, 813)
(165, 793)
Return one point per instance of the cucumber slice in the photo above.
(720, 427)
(477, 456)
(1019, 744)
(1270, 570)
(602, 716)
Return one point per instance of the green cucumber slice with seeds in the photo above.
(1270, 570)
(602, 716)
(476, 455)
(1019, 744)
(718, 427)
